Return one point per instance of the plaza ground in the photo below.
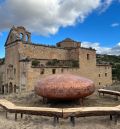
(40, 122)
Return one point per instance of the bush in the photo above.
(75, 63)
(53, 62)
(35, 63)
(116, 72)
(70, 63)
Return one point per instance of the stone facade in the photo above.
(26, 62)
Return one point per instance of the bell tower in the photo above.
(18, 33)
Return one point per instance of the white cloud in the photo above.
(115, 50)
(96, 46)
(46, 16)
(103, 50)
(115, 24)
(105, 5)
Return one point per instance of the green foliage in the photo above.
(75, 63)
(53, 62)
(35, 63)
(108, 58)
(116, 72)
(61, 63)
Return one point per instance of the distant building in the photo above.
(25, 62)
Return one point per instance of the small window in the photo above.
(88, 56)
(99, 75)
(105, 74)
(99, 83)
(42, 71)
(53, 71)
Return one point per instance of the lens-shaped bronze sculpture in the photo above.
(64, 87)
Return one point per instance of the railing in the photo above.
(110, 92)
(64, 113)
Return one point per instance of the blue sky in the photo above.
(96, 23)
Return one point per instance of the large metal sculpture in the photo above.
(64, 87)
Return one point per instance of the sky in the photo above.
(95, 23)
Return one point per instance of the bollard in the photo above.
(15, 116)
(110, 117)
(116, 119)
(72, 119)
(21, 115)
(56, 120)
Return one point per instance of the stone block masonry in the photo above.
(17, 73)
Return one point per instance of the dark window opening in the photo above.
(53, 71)
(42, 71)
(105, 74)
(99, 75)
(99, 83)
(88, 56)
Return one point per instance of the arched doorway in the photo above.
(2, 90)
(10, 87)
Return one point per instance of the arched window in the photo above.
(27, 38)
(21, 36)
(10, 87)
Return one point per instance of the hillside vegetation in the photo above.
(112, 60)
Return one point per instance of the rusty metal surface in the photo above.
(64, 86)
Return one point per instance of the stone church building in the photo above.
(25, 62)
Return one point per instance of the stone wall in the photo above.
(43, 52)
(18, 71)
(34, 74)
(73, 54)
(2, 75)
(12, 64)
(87, 61)
(104, 76)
